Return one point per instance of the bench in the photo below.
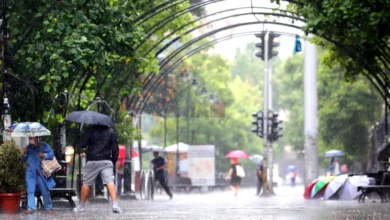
(382, 188)
(183, 183)
(55, 193)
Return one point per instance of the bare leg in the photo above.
(84, 193)
(237, 189)
(112, 190)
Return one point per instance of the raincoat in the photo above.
(33, 181)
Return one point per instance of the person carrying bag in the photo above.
(34, 154)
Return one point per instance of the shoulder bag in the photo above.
(49, 167)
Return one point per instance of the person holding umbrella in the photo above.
(102, 154)
(33, 154)
(236, 171)
(235, 179)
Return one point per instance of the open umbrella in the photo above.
(183, 148)
(349, 190)
(256, 158)
(153, 148)
(27, 129)
(334, 153)
(334, 186)
(237, 154)
(320, 187)
(291, 168)
(309, 188)
(122, 153)
(89, 117)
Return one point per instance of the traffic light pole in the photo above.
(266, 148)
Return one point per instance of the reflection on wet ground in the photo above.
(288, 204)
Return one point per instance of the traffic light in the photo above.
(272, 45)
(275, 128)
(258, 122)
(261, 45)
(298, 44)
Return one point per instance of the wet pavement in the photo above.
(287, 204)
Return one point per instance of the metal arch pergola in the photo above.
(194, 51)
(133, 103)
(185, 46)
(378, 80)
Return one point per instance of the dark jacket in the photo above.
(102, 143)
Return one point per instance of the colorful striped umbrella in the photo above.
(309, 188)
(320, 187)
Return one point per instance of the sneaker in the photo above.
(116, 209)
(79, 209)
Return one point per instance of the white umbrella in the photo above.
(182, 148)
(335, 185)
(349, 190)
(256, 158)
(152, 148)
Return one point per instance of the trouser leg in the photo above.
(119, 178)
(47, 203)
(31, 183)
(164, 186)
(259, 185)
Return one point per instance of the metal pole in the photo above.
(177, 142)
(270, 107)
(165, 127)
(6, 107)
(310, 106)
(266, 97)
(188, 113)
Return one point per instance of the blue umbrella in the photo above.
(291, 168)
(334, 153)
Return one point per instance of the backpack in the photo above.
(240, 171)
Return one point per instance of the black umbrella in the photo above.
(384, 151)
(90, 117)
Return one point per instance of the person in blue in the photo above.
(158, 166)
(33, 154)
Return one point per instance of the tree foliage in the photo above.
(356, 34)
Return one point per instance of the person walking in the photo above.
(259, 173)
(235, 180)
(33, 154)
(334, 167)
(159, 166)
(102, 155)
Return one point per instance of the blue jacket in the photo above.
(34, 162)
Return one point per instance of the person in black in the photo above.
(259, 173)
(158, 166)
(235, 181)
(102, 154)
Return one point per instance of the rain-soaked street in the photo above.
(288, 204)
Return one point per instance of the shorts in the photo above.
(235, 181)
(93, 168)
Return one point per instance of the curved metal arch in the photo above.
(161, 7)
(189, 43)
(186, 45)
(208, 23)
(200, 26)
(379, 81)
